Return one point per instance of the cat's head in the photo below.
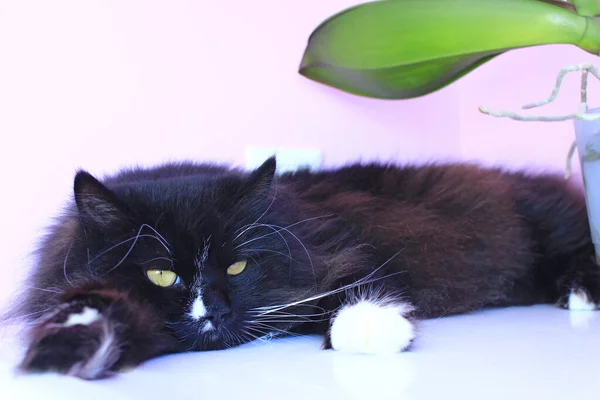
(212, 251)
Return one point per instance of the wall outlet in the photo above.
(288, 159)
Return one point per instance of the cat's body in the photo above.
(356, 254)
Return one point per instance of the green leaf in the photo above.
(588, 8)
(400, 82)
(397, 49)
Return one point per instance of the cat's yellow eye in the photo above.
(237, 268)
(162, 277)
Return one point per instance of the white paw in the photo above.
(580, 301)
(371, 328)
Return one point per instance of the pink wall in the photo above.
(103, 84)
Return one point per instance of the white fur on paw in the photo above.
(105, 356)
(580, 301)
(86, 317)
(371, 328)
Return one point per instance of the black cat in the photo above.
(189, 257)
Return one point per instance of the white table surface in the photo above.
(535, 352)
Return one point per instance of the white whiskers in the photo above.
(157, 236)
(44, 290)
(282, 228)
(275, 230)
(362, 281)
(160, 238)
(158, 258)
(65, 263)
(249, 226)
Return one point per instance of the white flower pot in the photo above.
(587, 136)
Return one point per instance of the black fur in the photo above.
(447, 238)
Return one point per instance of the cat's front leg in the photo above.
(372, 324)
(95, 333)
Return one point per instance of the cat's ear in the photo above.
(260, 180)
(95, 202)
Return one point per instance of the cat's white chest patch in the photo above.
(198, 308)
(85, 317)
(372, 328)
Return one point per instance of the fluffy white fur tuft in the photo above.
(372, 327)
(580, 301)
(104, 357)
(86, 317)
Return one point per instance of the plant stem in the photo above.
(584, 82)
(540, 118)
(586, 68)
